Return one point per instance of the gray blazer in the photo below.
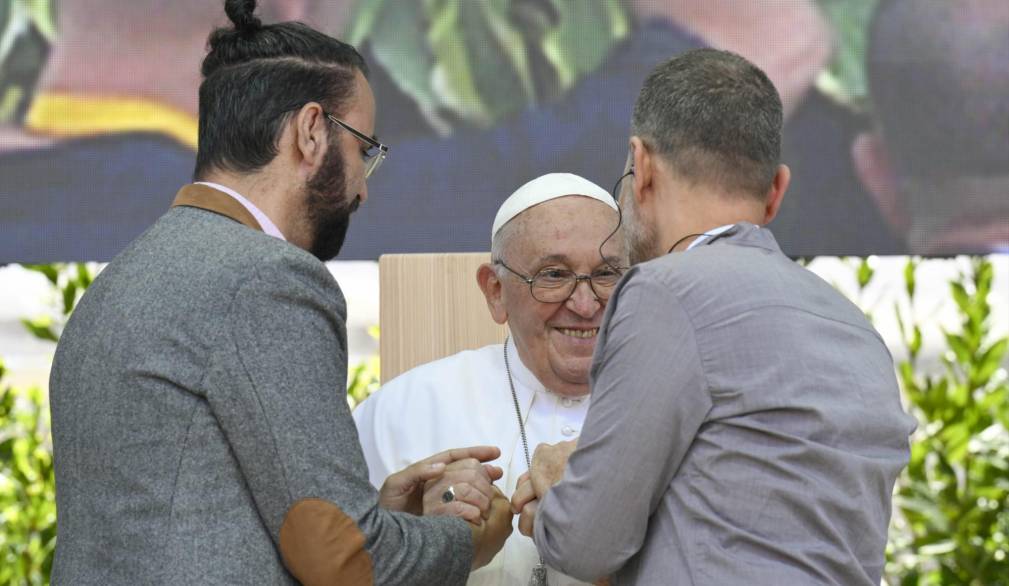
(745, 428)
(201, 430)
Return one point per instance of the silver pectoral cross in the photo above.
(539, 575)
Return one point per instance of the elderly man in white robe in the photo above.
(556, 255)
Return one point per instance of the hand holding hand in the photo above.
(525, 504)
(403, 491)
(548, 465)
(489, 536)
(464, 490)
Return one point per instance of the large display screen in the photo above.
(897, 128)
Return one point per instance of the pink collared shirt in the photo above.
(264, 222)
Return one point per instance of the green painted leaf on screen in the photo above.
(478, 62)
(845, 76)
(27, 28)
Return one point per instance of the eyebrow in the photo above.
(562, 258)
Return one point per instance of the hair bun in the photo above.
(241, 13)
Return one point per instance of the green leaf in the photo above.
(362, 21)
(40, 13)
(985, 272)
(480, 61)
(991, 360)
(995, 399)
(956, 437)
(915, 346)
(909, 276)
(69, 297)
(926, 509)
(50, 271)
(959, 348)
(41, 329)
(960, 296)
(845, 78)
(84, 277)
(582, 38)
(865, 273)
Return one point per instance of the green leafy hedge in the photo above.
(951, 504)
(27, 487)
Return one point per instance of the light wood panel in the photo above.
(430, 307)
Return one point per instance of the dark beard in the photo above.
(328, 206)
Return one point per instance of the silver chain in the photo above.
(518, 409)
(539, 574)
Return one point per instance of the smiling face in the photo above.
(556, 340)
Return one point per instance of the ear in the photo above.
(311, 134)
(490, 284)
(779, 185)
(874, 170)
(644, 171)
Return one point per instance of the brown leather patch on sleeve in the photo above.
(320, 544)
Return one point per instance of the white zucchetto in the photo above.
(545, 188)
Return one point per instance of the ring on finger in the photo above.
(449, 495)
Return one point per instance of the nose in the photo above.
(583, 300)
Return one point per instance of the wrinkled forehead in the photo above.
(572, 226)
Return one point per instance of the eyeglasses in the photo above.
(558, 285)
(376, 152)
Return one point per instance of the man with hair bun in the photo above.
(200, 427)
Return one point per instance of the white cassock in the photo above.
(460, 401)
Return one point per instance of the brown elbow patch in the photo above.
(320, 544)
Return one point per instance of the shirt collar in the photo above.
(526, 383)
(743, 234)
(709, 234)
(264, 221)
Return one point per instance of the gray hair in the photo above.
(504, 239)
(715, 117)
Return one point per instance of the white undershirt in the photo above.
(264, 221)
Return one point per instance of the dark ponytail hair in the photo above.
(241, 13)
(255, 76)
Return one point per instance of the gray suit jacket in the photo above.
(201, 430)
(745, 428)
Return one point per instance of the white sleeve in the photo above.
(378, 454)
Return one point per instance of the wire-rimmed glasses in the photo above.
(376, 151)
(556, 285)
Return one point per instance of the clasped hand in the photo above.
(547, 469)
(419, 489)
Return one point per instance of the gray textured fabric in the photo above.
(197, 393)
(745, 428)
